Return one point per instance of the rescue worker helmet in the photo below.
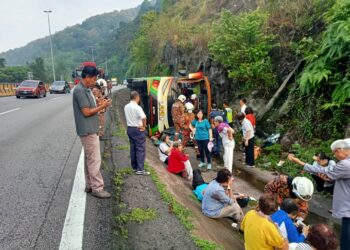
(189, 107)
(303, 188)
(182, 98)
(193, 97)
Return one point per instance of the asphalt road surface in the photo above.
(39, 153)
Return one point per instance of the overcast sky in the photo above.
(22, 21)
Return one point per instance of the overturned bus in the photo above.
(159, 93)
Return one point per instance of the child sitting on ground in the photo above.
(178, 162)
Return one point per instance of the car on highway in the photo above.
(31, 88)
(59, 87)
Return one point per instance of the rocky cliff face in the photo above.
(199, 60)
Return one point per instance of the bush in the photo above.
(273, 154)
(242, 44)
(327, 68)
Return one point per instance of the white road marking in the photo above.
(72, 234)
(55, 98)
(9, 111)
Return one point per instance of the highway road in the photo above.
(39, 154)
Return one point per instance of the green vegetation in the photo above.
(141, 51)
(119, 179)
(255, 43)
(122, 147)
(120, 132)
(13, 74)
(2, 62)
(137, 215)
(181, 212)
(242, 44)
(38, 69)
(205, 244)
(272, 155)
(327, 69)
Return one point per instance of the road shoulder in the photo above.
(139, 199)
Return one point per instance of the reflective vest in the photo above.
(229, 115)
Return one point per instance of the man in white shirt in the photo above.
(248, 139)
(242, 104)
(136, 121)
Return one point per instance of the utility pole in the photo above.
(53, 64)
(92, 53)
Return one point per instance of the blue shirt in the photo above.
(202, 129)
(287, 227)
(198, 192)
(214, 199)
(214, 113)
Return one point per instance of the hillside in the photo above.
(248, 48)
(72, 45)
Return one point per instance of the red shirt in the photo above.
(251, 118)
(176, 162)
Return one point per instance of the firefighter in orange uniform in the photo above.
(178, 114)
(189, 117)
(300, 189)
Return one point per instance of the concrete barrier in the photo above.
(9, 89)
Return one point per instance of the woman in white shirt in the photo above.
(226, 133)
(164, 148)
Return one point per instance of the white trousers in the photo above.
(188, 169)
(228, 156)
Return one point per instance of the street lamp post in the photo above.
(53, 64)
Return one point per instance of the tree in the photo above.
(141, 50)
(38, 69)
(61, 70)
(13, 74)
(242, 44)
(2, 62)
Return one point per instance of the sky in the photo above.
(22, 21)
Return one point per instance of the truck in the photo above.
(159, 93)
(76, 75)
